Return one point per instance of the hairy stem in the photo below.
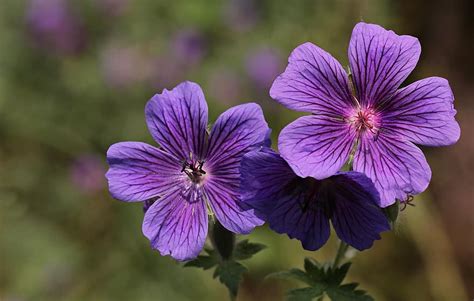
(341, 253)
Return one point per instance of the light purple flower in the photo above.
(303, 207)
(263, 66)
(53, 25)
(192, 171)
(381, 120)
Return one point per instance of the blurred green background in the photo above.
(75, 77)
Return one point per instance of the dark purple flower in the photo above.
(192, 171)
(188, 46)
(302, 207)
(53, 26)
(87, 173)
(381, 120)
(263, 66)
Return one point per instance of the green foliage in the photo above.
(228, 270)
(322, 278)
(391, 212)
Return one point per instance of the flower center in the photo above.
(194, 170)
(365, 120)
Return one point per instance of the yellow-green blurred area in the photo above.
(74, 79)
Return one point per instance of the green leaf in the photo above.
(202, 261)
(391, 212)
(245, 249)
(335, 276)
(314, 269)
(347, 292)
(230, 274)
(296, 274)
(304, 294)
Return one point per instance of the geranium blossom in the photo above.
(382, 121)
(192, 171)
(303, 207)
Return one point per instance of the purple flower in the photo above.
(302, 207)
(53, 25)
(192, 171)
(263, 66)
(380, 120)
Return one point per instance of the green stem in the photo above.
(341, 253)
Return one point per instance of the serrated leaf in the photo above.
(245, 249)
(202, 261)
(314, 269)
(230, 274)
(347, 292)
(304, 294)
(336, 276)
(296, 274)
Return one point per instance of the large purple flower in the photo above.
(190, 172)
(381, 120)
(302, 207)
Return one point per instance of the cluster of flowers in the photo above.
(363, 119)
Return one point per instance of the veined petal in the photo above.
(264, 176)
(356, 215)
(313, 82)
(380, 61)
(224, 198)
(270, 186)
(176, 227)
(237, 131)
(310, 226)
(397, 168)
(423, 113)
(177, 120)
(316, 146)
(139, 171)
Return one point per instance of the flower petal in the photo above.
(356, 215)
(397, 168)
(423, 112)
(224, 199)
(314, 82)
(139, 171)
(310, 226)
(176, 227)
(380, 61)
(316, 146)
(237, 131)
(270, 186)
(177, 120)
(264, 175)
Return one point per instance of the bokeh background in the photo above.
(75, 77)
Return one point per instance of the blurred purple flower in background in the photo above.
(87, 173)
(241, 15)
(188, 46)
(124, 66)
(54, 26)
(263, 66)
